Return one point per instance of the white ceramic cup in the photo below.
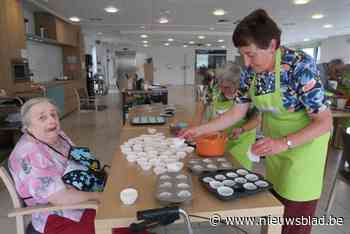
(128, 196)
(333, 84)
(341, 103)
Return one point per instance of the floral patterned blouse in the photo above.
(300, 83)
(37, 171)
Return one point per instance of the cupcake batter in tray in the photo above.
(233, 184)
(148, 120)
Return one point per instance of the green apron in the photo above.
(238, 147)
(296, 174)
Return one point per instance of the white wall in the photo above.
(169, 64)
(29, 15)
(335, 47)
(45, 61)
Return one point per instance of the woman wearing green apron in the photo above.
(242, 134)
(284, 85)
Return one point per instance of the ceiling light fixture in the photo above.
(221, 40)
(212, 29)
(201, 37)
(328, 26)
(99, 33)
(317, 16)
(301, 2)
(185, 46)
(219, 12)
(223, 47)
(142, 27)
(111, 9)
(306, 39)
(144, 42)
(191, 42)
(74, 19)
(170, 39)
(145, 45)
(167, 44)
(208, 44)
(144, 36)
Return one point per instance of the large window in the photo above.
(206, 64)
(313, 52)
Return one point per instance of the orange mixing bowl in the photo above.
(212, 145)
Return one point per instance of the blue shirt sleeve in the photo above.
(307, 84)
(242, 95)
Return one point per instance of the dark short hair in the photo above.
(257, 28)
(336, 62)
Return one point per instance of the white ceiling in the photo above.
(190, 18)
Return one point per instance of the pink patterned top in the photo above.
(37, 171)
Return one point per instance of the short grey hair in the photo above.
(27, 106)
(231, 72)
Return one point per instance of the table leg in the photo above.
(102, 231)
(271, 229)
(334, 182)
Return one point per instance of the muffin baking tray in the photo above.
(148, 120)
(173, 188)
(200, 165)
(233, 184)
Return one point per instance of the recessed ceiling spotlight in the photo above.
(111, 9)
(328, 26)
(301, 2)
(191, 42)
(317, 16)
(142, 27)
(163, 20)
(144, 36)
(144, 42)
(201, 37)
(208, 44)
(167, 44)
(170, 39)
(212, 29)
(219, 12)
(74, 19)
(185, 46)
(223, 46)
(221, 40)
(145, 45)
(306, 39)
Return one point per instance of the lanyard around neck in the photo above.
(51, 147)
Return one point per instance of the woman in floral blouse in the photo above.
(37, 170)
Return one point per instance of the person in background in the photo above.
(331, 71)
(296, 121)
(37, 164)
(242, 134)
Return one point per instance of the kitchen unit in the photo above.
(65, 35)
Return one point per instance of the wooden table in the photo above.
(112, 213)
(340, 114)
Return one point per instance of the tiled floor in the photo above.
(100, 132)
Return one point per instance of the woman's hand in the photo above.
(236, 132)
(190, 133)
(268, 146)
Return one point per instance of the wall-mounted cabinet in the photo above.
(56, 29)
